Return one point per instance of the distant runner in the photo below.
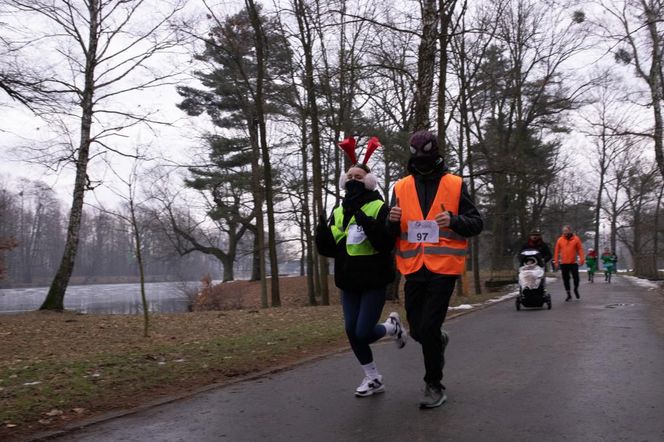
(568, 248)
(591, 264)
(609, 262)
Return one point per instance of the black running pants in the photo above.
(426, 304)
(568, 269)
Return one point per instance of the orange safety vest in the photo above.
(448, 255)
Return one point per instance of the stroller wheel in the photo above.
(548, 305)
(518, 305)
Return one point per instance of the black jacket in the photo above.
(360, 273)
(468, 222)
(543, 248)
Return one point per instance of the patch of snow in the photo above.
(488, 301)
(504, 297)
(462, 307)
(650, 285)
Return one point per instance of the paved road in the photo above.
(579, 372)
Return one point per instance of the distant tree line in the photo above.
(34, 220)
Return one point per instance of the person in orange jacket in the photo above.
(568, 248)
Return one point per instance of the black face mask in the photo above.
(354, 188)
(425, 164)
(568, 235)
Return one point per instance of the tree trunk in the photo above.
(306, 214)
(141, 267)
(256, 260)
(658, 207)
(260, 44)
(56, 293)
(227, 265)
(310, 86)
(598, 207)
(258, 209)
(446, 9)
(474, 242)
(426, 64)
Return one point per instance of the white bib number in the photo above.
(356, 234)
(422, 231)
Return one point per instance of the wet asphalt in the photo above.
(588, 370)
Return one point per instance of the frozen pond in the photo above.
(105, 298)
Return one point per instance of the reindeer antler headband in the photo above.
(348, 146)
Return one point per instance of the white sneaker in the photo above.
(370, 386)
(400, 334)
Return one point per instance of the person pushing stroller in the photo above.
(533, 257)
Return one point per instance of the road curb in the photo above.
(105, 417)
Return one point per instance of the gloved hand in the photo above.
(363, 220)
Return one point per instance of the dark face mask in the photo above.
(354, 188)
(568, 235)
(424, 165)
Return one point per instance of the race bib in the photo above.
(356, 234)
(422, 231)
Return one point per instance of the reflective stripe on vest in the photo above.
(370, 209)
(448, 255)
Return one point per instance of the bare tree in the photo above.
(633, 29)
(306, 37)
(107, 52)
(641, 189)
(607, 120)
(521, 94)
(131, 218)
(261, 45)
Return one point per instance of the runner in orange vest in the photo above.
(432, 214)
(568, 248)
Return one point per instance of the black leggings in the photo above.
(568, 269)
(362, 312)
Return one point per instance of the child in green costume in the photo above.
(591, 264)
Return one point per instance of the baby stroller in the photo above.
(532, 292)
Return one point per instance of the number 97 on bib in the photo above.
(422, 232)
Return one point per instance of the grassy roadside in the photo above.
(56, 368)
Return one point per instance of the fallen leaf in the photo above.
(78, 410)
(45, 421)
(11, 425)
(54, 412)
